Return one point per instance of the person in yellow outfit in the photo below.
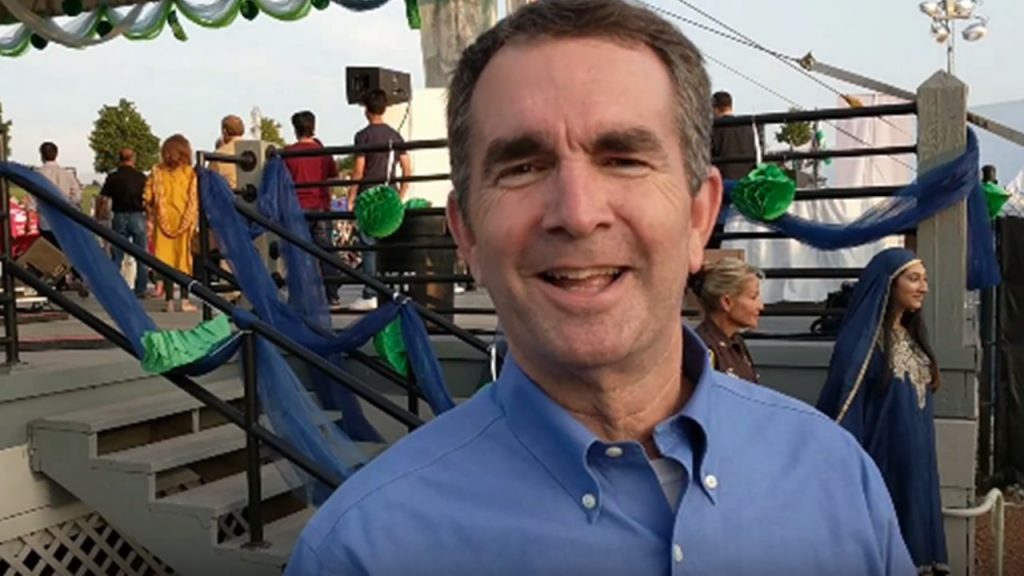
(172, 199)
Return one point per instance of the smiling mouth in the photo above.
(583, 279)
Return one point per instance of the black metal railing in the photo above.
(246, 419)
(8, 297)
(338, 274)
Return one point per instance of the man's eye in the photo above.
(520, 175)
(630, 165)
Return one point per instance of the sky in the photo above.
(282, 67)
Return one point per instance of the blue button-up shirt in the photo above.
(510, 484)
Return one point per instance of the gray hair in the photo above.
(614, 20)
(723, 277)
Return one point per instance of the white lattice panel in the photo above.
(85, 546)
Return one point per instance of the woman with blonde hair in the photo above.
(172, 199)
(729, 292)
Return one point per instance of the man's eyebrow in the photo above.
(627, 141)
(505, 150)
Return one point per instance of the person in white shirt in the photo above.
(65, 182)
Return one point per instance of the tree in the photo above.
(122, 126)
(797, 135)
(270, 131)
(346, 164)
(5, 127)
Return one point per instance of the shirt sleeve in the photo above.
(361, 139)
(308, 561)
(74, 188)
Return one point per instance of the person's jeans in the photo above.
(369, 265)
(320, 230)
(132, 225)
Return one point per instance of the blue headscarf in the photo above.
(859, 333)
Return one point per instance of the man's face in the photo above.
(581, 224)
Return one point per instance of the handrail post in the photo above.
(254, 509)
(204, 240)
(10, 302)
(413, 398)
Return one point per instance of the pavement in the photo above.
(51, 336)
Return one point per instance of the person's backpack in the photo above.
(837, 301)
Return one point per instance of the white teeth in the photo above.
(583, 273)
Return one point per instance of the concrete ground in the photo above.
(53, 340)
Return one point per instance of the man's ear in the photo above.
(462, 233)
(704, 208)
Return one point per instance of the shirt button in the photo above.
(613, 452)
(589, 501)
(711, 482)
(677, 553)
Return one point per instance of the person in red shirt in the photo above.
(306, 169)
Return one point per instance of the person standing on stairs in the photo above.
(69, 187)
(122, 194)
(608, 445)
(172, 201)
(370, 170)
(308, 169)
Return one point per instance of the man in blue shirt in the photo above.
(579, 134)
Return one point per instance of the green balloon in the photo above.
(71, 7)
(320, 4)
(765, 194)
(103, 27)
(38, 42)
(249, 9)
(417, 203)
(379, 211)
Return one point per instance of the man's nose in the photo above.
(577, 200)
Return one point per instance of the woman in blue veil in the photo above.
(880, 387)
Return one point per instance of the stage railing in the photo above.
(339, 274)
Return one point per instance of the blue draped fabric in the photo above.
(278, 201)
(258, 287)
(880, 409)
(85, 254)
(931, 193)
(292, 413)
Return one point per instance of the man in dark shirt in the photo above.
(372, 169)
(122, 193)
(729, 142)
(307, 169)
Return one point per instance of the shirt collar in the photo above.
(561, 443)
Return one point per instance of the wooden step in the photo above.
(231, 493)
(175, 452)
(100, 418)
(183, 450)
(224, 495)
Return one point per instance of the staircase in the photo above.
(169, 473)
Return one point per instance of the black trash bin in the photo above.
(420, 229)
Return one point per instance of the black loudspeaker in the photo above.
(361, 81)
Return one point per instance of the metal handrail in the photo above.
(265, 330)
(818, 115)
(187, 384)
(10, 302)
(994, 502)
(381, 288)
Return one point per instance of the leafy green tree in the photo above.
(122, 126)
(270, 131)
(346, 163)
